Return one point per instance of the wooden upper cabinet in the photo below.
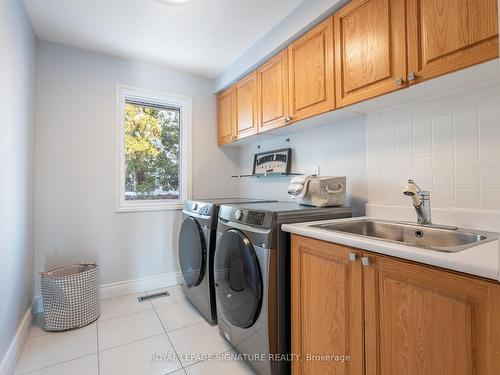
(246, 105)
(422, 320)
(448, 35)
(370, 49)
(327, 312)
(272, 81)
(226, 117)
(311, 73)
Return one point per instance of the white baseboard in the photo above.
(9, 361)
(122, 288)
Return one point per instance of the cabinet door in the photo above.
(370, 49)
(246, 105)
(226, 117)
(326, 308)
(448, 35)
(423, 320)
(272, 80)
(311, 72)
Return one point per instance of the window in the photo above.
(153, 147)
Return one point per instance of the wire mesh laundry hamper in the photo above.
(70, 296)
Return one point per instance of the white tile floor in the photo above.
(122, 341)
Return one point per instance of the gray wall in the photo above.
(75, 164)
(339, 149)
(17, 45)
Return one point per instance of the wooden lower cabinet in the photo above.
(413, 319)
(326, 307)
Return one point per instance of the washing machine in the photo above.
(252, 279)
(196, 251)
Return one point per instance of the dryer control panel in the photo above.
(253, 218)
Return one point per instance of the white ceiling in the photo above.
(203, 37)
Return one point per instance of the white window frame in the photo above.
(184, 104)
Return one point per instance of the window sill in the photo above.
(150, 207)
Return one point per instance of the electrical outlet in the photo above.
(315, 171)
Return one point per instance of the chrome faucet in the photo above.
(421, 202)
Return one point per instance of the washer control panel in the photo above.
(198, 207)
(238, 215)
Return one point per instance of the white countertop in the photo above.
(481, 260)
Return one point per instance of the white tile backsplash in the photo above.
(489, 108)
(467, 179)
(467, 158)
(450, 145)
(423, 162)
(490, 178)
(444, 160)
(443, 179)
(467, 198)
(490, 199)
(490, 134)
(443, 198)
(465, 112)
(404, 163)
(490, 156)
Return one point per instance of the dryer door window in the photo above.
(192, 252)
(238, 279)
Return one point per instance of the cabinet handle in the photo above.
(287, 119)
(234, 138)
(412, 76)
(353, 257)
(400, 81)
(365, 261)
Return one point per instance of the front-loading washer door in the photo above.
(192, 252)
(238, 279)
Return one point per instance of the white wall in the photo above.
(17, 44)
(338, 149)
(449, 144)
(75, 164)
(305, 16)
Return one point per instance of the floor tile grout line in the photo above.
(58, 363)
(45, 333)
(170, 304)
(136, 312)
(170, 341)
(131, 342)
(71, 330)
(189, 325)
(130, 313)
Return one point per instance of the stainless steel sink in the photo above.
(450, 240)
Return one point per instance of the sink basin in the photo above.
(427, 237)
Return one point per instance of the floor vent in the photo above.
(153, 296)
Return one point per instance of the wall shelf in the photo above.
(268, 175)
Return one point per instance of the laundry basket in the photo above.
(70, 296)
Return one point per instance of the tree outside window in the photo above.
(152, 146)
(153, 149)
